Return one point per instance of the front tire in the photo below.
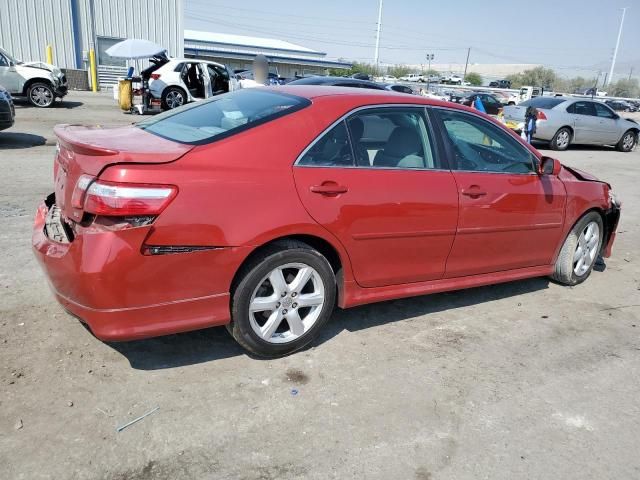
(173, 97)
(628, 141)
(41, 95)
(283, 298)
(580, 250)
(561, 140)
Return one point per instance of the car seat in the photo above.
(403, 150)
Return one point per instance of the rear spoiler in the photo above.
(80, 147)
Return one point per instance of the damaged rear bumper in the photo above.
(105, 278)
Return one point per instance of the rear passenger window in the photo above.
(331, 150)
(582, 108)
(391, 138)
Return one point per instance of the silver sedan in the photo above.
(563, 121)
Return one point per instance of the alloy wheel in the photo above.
(562, 140)
(41, 96)
(628, 141)
(286, 303)
(174, 99)
(587, 249)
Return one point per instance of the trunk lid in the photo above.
(84, 151)
(514, 113)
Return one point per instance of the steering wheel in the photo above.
(463, 161)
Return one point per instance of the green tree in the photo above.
(399, 71)
(624, 88)
(537, 77)
(474, 79)
(356, 67)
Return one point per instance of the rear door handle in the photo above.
(474, 192)
(329, 189)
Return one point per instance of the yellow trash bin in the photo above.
(125, 94)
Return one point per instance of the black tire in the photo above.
(564, 272)
(628, 141)
(252, 276)
(173, 97)
(562, 139)
(41, 95)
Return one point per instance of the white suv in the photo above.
(40, 82)
(177, 81)
(413, 77)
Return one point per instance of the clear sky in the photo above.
(572, 36)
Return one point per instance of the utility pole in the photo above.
(377, 59)
(430, 57)
(630, 73)
(604, 83)
(615, 52)
(466, 65)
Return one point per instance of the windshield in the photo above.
(9, 57)
(223, 115)
(542, 102)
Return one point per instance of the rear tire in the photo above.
(562, 139)
(628, 141)
(283, 298)
(41, 95)
(580, 250)
(173, 97)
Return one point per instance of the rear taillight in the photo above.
(541, 115)
(127, 199)
(77, 197)
(155, 76)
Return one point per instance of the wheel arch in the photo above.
(334, 255)
(31, 81)
(176, 86)
(567, 230)
(636, 130)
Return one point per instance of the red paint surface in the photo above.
(397, 233)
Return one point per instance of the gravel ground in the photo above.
(522, 380)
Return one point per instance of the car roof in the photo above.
(319, 80)
(361, 96)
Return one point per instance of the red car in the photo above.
(262, 209)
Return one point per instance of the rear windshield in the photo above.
(542, 102)
(224, 115)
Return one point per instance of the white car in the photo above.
(178, 81)
(40, 82)
(453, 80)
(413, 77)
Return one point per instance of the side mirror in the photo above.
(549, 166)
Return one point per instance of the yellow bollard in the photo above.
(50, 54)
(94, 70)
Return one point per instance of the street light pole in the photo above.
(377, 59)
(615, 52)
(430, 56)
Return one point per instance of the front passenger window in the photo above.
(603, 111)
(480, 146)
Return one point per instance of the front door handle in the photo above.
(473, 191)
(329, 188)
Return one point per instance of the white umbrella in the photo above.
(134, 48)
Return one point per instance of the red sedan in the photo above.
(263, 209)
